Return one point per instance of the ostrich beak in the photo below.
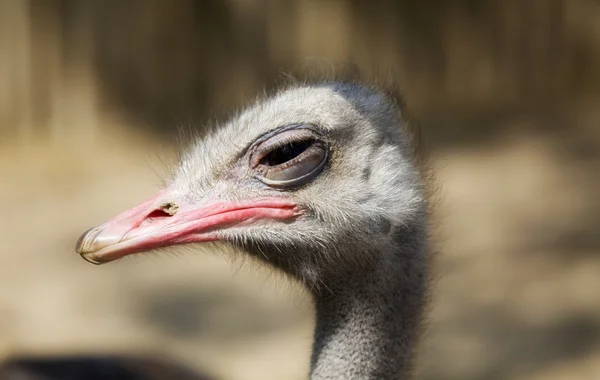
(165, 220)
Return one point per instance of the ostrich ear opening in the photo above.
(162, 221)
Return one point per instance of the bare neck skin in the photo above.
(367, 326)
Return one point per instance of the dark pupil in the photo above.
(285, 153)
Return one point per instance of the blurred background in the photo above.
(92, 94)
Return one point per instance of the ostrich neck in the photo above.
(367, 326)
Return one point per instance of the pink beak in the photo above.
(162, 221)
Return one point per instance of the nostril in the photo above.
(163, 211)
(158, 214)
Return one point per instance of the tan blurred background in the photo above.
(92, 94)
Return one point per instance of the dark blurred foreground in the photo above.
(95, 368)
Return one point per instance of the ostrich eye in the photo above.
(285, 153)
(290, 158)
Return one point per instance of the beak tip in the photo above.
(85, 245)
(89, 259)
(86, 240)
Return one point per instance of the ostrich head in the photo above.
(318, 181)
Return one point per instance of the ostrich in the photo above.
(319, 181)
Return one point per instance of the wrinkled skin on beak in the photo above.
(167, 219)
